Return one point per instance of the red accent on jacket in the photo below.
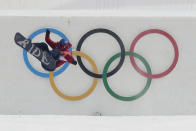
(65, 51)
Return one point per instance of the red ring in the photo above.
(175, 50)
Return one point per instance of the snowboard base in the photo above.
(46, 59)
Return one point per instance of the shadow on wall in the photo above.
(97, 4)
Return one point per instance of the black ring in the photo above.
(101, 30)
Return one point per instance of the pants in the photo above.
(55, 52)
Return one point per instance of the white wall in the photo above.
(98, 4)
(21, 92)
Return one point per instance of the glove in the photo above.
(47, 32)
(74, 62)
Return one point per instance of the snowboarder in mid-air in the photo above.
(60, 50)
(50, 59)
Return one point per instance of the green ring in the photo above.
(111, 92)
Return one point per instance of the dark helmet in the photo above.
(64, 42)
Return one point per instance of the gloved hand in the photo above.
(74, 62)
(47, 32)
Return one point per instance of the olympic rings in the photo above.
(175, 50)
(111, 92)
(74, 98)
(100, 30)
(105, 74)
(26, 60)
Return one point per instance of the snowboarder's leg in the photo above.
(55, 53)
(43, 46)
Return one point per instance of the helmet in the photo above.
(64, 42)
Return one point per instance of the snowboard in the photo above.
(43, 56)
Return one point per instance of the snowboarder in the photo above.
(50, 59)
(60, 50)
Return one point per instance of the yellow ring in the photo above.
(74, 98)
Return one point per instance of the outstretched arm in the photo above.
(67, 56)
(59, 63)
(49, 41)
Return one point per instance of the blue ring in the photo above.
(26, 60)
